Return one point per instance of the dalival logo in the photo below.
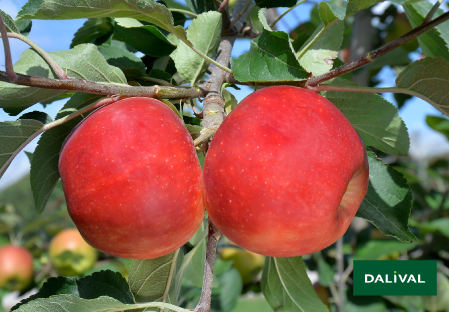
(384, 278)
(396, 278)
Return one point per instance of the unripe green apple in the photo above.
(248, 263)
(69, 254)
(285, 173)
(16, 267)
(132, 179)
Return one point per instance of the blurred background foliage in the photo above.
(237, 272)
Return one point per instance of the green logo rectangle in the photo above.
(395, 278)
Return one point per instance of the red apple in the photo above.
(285, 173)
(16, 267)
(132, 179)
(70, 254)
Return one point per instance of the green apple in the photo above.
(248, 263)
(70, 255)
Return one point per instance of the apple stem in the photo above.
(206, 292)
(12, 77)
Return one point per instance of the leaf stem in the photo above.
(200, 239)
(184, 12)
(285, 12)
(371, 56)
(206, 292)
(315, 39)
(204, 56)
(432, 12)
(8, 60)
(55, 67)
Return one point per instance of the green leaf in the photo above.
(376, 249)
(231, 283)
(325, 273)
(194, 131)
(71, 303)
(270, 58)
(159, 279)
(37, 115)
(14, 135)
(162, 75)
(435, 42)
(154, 279)
(84, 62)
(440, 302)
(287, 287)
(375, 119)
(330, 12)
(275, 3)
(196, 264)
(428, 79)
(201, 6)
(204, 33)
(119, 57)
(388, 202)
(104, 283)
(24, 26)
(439, 225)
(144, 38)
(439, 124)
(354, 6)
(365, 303)
(92, 29)
(262, 14)
(172, 107)
(44, 173)
(402, 2)
(409, 303)
(9, 23)
(318, 59)
(230, 102)
(143, 10)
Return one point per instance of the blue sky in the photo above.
(57, 35)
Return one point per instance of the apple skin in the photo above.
(285, 173)
(16, 267)
(83, 256)
(132, 179)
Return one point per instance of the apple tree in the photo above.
(333, 59)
